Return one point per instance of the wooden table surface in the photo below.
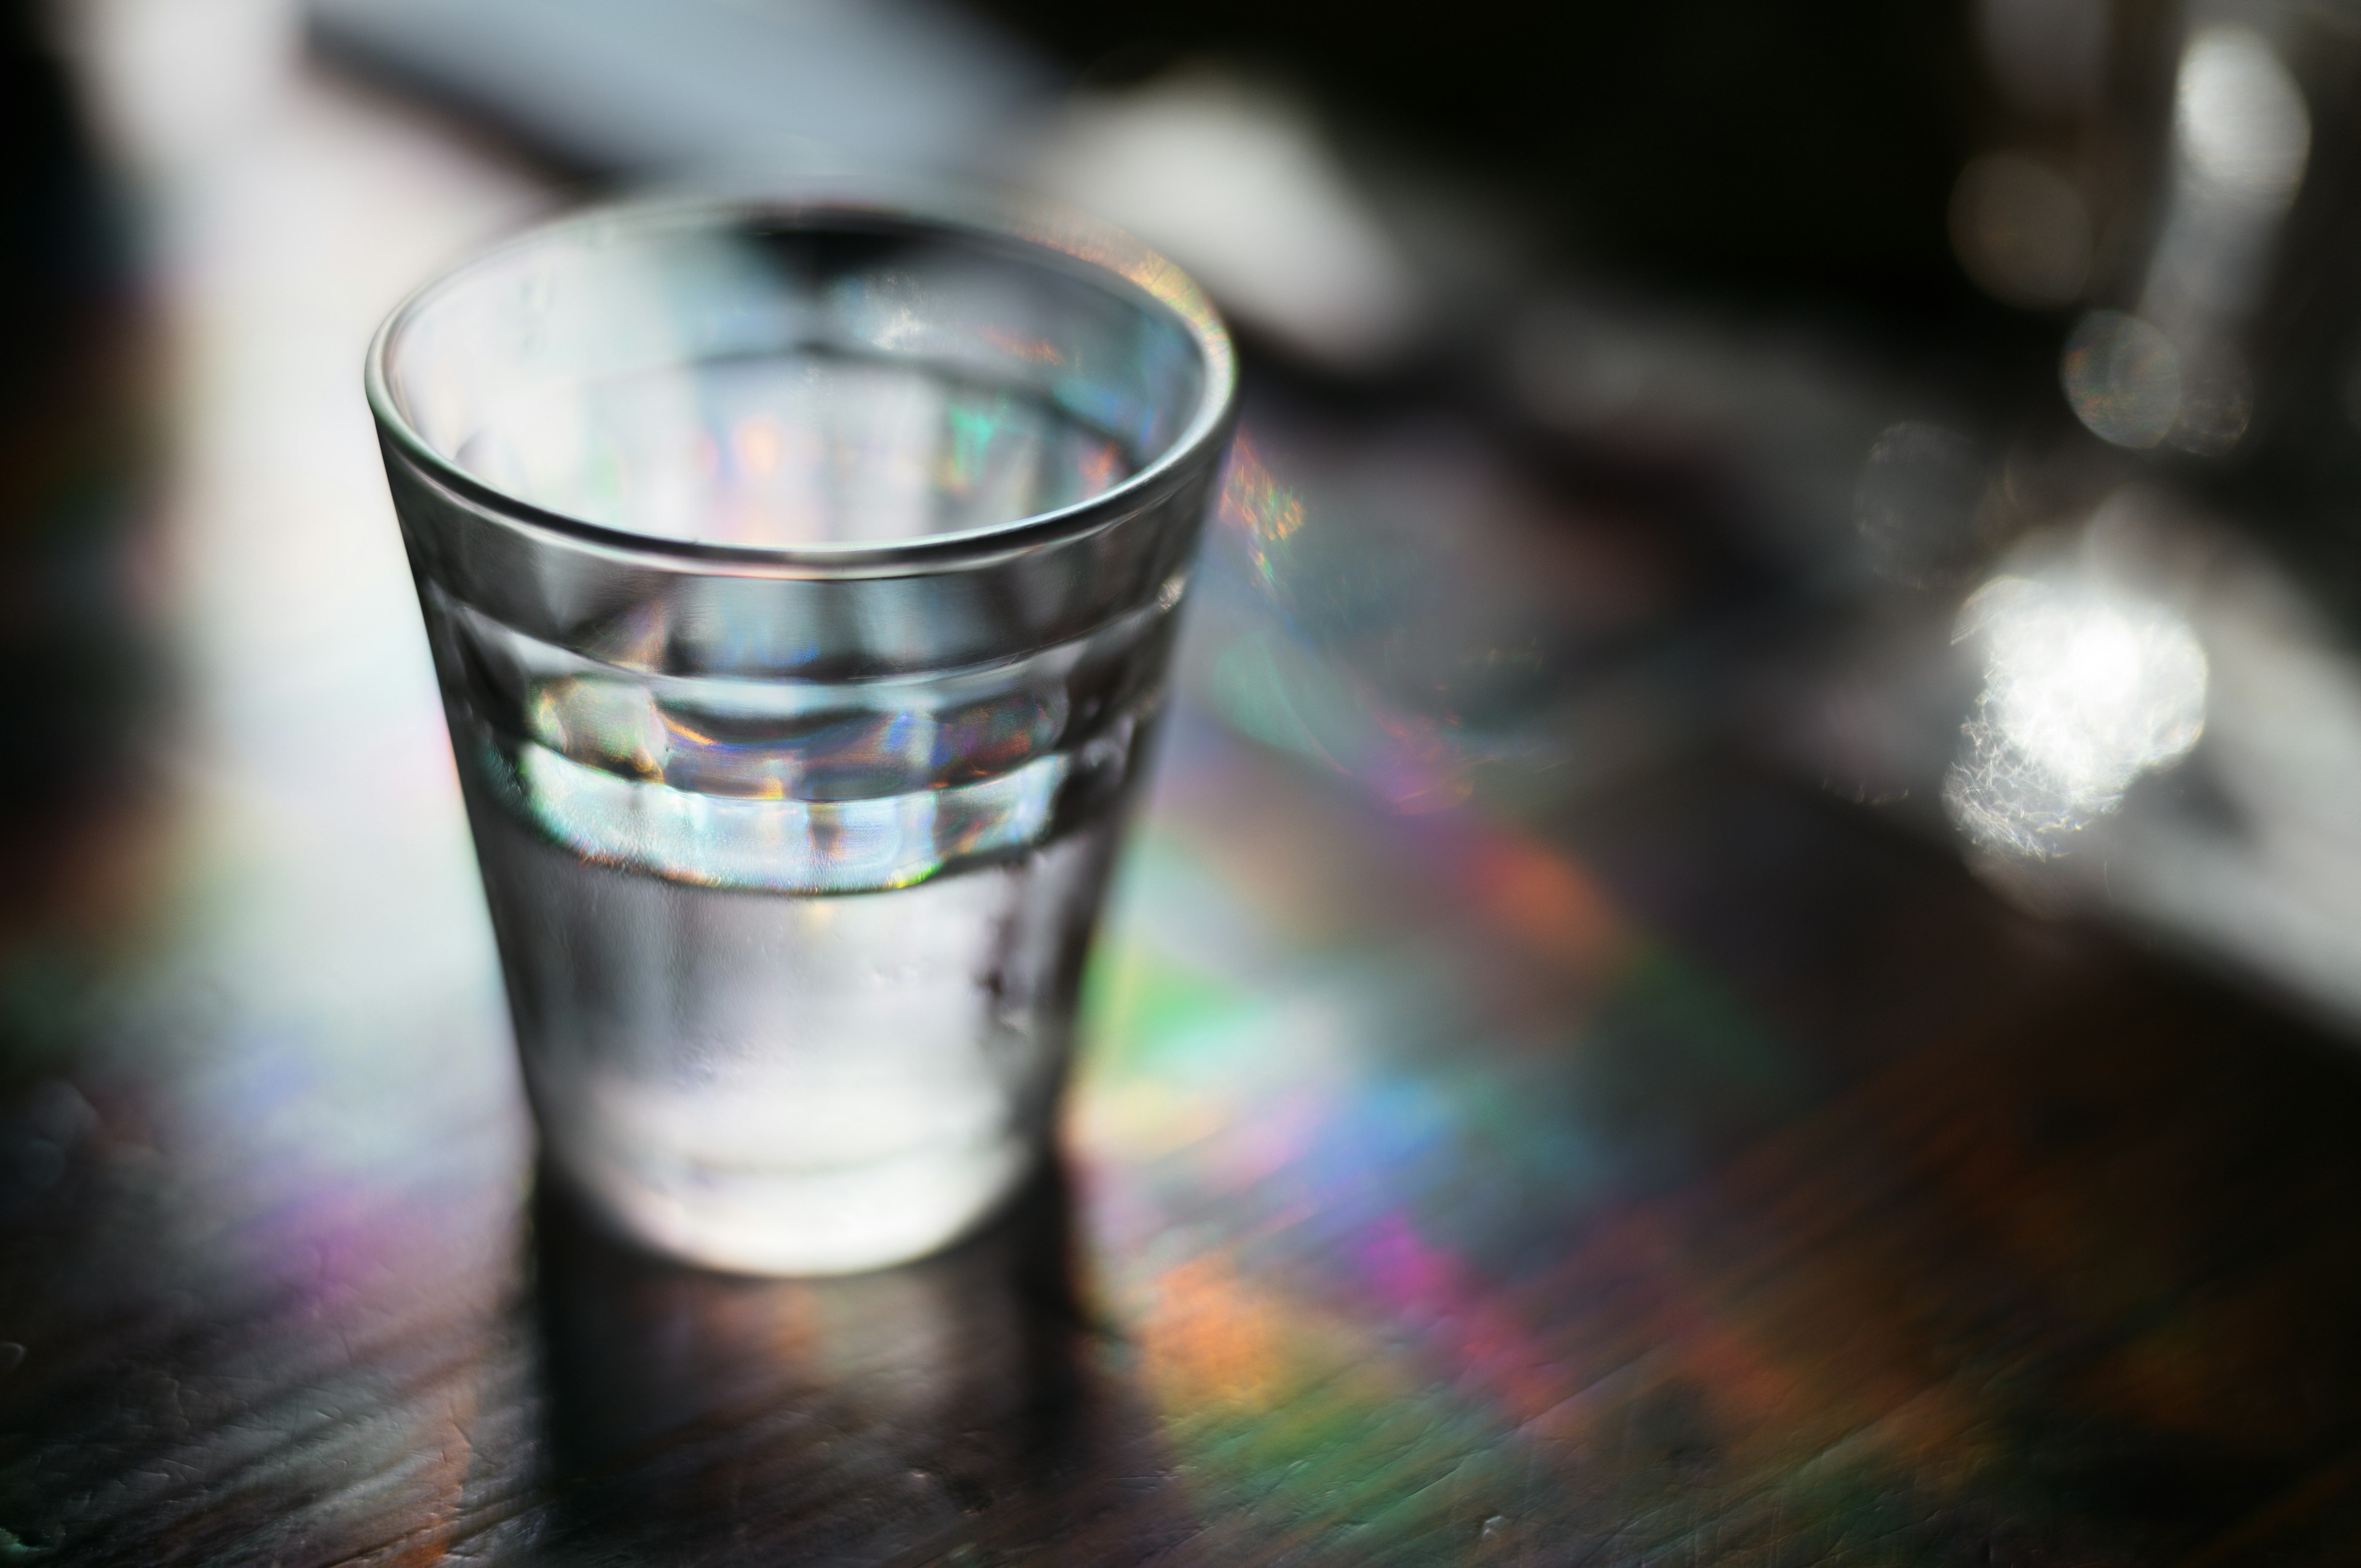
(1683, 1169)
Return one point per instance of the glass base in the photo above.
(840, 1221)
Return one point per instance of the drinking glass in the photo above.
(801, 575)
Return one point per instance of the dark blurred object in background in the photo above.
(1752, 149)
(69, 395)
(76, 466)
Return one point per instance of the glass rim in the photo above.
(1047, 233)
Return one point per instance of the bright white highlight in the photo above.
(2239, 116)
(2086, 687)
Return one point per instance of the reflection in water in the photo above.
(2086, 687)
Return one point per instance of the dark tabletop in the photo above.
(1530, 1159)
(1704, 1177)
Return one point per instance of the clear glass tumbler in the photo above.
(801, 576)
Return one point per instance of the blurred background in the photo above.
(1948, 413)
(1959, 405)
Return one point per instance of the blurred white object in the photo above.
(1237, 183)
(2239, 123)
(2241, 139)
(2164, 731)
(172, 81)
(2087, 685)
(667, 88)
(2276, 887)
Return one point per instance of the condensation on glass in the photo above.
(800, 578)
